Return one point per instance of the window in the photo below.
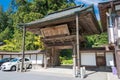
(117, 7)
(26, 59)
(20, 60)
(118, 22)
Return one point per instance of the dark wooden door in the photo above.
(100, 61)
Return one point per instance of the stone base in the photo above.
(36, 66)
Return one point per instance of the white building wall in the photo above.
(6, 56)
(88, 59)
(39, 58)
(27, 56)
(14, 56)
(109, 59)
(33, 59)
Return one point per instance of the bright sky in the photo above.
(5, 4)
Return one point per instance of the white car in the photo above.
(15, 64)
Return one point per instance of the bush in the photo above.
(66, 57)
(67, 61)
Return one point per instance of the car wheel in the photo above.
(13, 68)
(30, 66)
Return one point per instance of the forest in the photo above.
(23, 11)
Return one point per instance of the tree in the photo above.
(23, 11)
(96, 40)
(6, 29)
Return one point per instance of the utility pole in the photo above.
(78, 44)
(23, 48)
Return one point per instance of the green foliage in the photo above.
(4, 34)
(11, 46)
(96, 40)
(23, 11)
(6, 29)
(66, 56)
(32, 16)
(67, 62)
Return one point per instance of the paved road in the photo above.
(34, 76)
(51, 74)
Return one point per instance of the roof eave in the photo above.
(42, 20)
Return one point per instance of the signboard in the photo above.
(55, 31)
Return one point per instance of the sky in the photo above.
(5, 4)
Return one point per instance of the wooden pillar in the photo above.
(74, 60)
(23, 48)
(55, 61)
(50, 59)
(117, 55)
(77, 44)
(10, 56)
(1, 56)
(52, 56)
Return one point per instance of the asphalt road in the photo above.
(32, 75)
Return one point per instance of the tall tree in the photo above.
(6, 29)
(24, 11)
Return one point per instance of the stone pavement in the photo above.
(90, 74)
(55, 74)
(112, 77)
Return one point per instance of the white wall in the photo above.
(27, 56)
(109, 59)
(88, 59)
(33, 59)
(6, 56)
(39, 58)
(14, 56)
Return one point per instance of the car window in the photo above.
(20, 60)
(5, 59)
(14, 60)
(26, 59)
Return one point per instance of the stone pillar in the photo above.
(45, 60)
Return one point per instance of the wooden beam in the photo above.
(58, 44)
(64, 47)
(107, 4)
(62, 38)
